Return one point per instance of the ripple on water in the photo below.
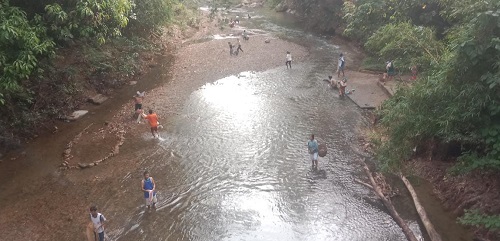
(234, 166)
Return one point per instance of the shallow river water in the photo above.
(234, 164)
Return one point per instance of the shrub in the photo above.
(406, 43)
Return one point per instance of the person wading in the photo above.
(312, 146)
(288, 61)
(239, 48)
(153, 122)
(148, 186)
(98, 222)
(138, 98)
(231, 46)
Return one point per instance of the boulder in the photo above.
(77, 115)
(98, 99)
(132, 82)
(83, 165)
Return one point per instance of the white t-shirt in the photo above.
(288, 57)
(341, 60)
(97, 222)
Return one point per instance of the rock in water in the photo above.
(322, 150)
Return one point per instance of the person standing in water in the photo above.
(239, 48)
(312, 146)
(98, 221)
(231, 46)
(138, 98)
(153, 122)
(148, 186)
(288, 60)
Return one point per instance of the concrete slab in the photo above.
(77, 115)
(367, 94)
(98, 99)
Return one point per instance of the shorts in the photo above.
(148, 202)
(99, 236)
(138, 107)
(340, 68)
(314, 156)
(155, 128)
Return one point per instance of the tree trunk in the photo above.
(392, 211)
(421, 211)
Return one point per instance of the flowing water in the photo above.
(234, 164)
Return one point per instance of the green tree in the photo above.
(407, 44)
(22, 44)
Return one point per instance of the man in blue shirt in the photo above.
(312, 146)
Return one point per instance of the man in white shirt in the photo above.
(341, 66)
(288, 60)
(98, 221)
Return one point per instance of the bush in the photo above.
(152, 14)
(407, 44)
(459, 100)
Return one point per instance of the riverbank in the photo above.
(46, 203)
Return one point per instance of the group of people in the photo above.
(340, 84)
(148, 187)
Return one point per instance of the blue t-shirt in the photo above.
(148, 185)
(312, 146)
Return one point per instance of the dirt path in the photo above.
(54, 206)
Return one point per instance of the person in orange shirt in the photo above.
(153, 122)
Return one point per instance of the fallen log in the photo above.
(363, 183)
(431, 231)
(388, 204)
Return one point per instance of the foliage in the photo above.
(407, 44)
(99, 20)
(476, 218)
(22, 43)
(458, 101)
(153, 14)
(364, 17)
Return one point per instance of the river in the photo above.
(233, 164)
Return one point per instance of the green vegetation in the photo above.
(475, 218)
(45, 44)
(456, 45)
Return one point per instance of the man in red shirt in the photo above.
(153, 122)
